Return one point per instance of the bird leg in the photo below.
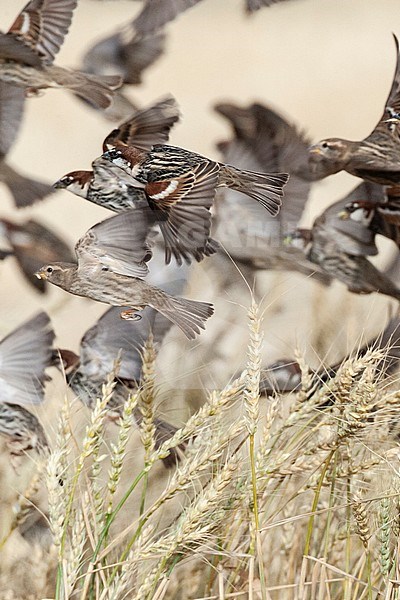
(131, 313)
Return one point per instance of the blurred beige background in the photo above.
(326, 64)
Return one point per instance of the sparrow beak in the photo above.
(40, 274)
(315, 150)
(59, 184)
(393, 120)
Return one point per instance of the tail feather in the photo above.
(189, 315)
(266, 188)
(25, 191)
(97, 90)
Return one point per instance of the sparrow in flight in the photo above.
(25, 353)
(110, 187)
(376, 158)
(180, 186)
(28, 49)
(112, 263)
(264, 141)
(111, 338)
(340, 246)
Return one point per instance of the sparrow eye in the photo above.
(325, 145)
(49, 269)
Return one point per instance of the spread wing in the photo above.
(146, 127)
(124, 53)
(139, 53)
(185, 201)
(383, 143)
(12, 100)
(253, 5)
(117, 244)
(43, 25)
(263, 226)
(156, 13)
(24, 355)
(392, 104)
(13, 48)
(279, 138)
(112, 336)
(264, 141)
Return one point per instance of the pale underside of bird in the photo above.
(376, 158)
(28, 49)
(112, 260)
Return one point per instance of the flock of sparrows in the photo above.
(156, 188)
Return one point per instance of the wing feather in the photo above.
(118, 244)
(43, 25)
(13, 48)
(146, 127)
(24, 355)
(157, 13)
(12, 99)
(186, 229)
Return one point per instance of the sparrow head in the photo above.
(55, 273)
(332, 149)
(76, 182)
